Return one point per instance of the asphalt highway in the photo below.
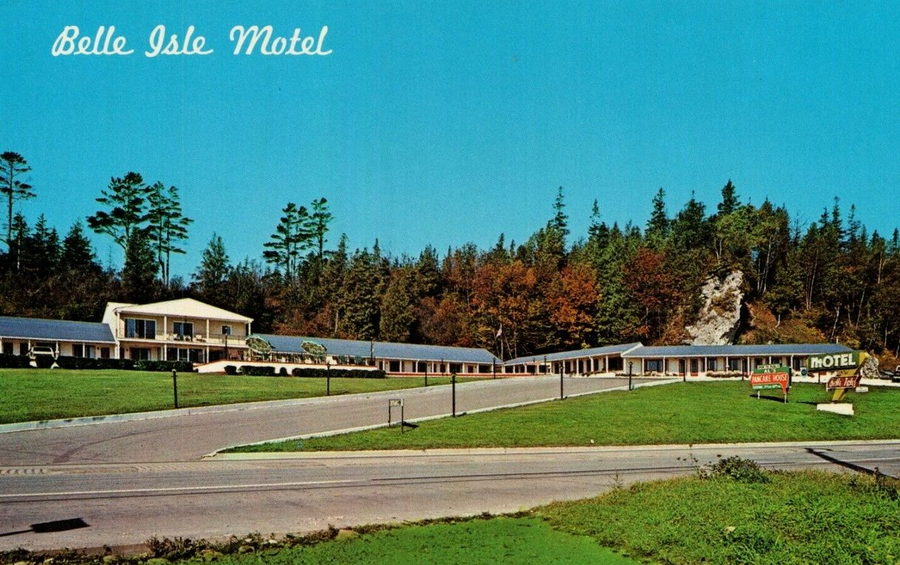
(124, 504)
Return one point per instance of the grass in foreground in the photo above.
(499, 540)
(707, 412)
(732, 512)
(763, 517)
(44, 394)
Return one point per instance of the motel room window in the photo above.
(456, 368)
(77, 350)
(137, 328)
(184, 330)
(139, 354)
(226, 330)
(484, 369)
(192, 355)
(7, 348)
(654, 365)
(734, 364)
(104, 353)
(23, 348)
(711, 365)
(394, 366)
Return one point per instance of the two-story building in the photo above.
(177, 330)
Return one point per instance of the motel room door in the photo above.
(695, 367)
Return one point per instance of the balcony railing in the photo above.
(197, 338)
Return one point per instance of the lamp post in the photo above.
(562, 373)
(630, 364)
(175, 386)
(453, 392)
(327, 378)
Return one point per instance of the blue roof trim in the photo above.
(736, 350)
(620, 349)
(54, 330)
(383, 350)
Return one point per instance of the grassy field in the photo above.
(770, 517)
(707, 412)
(500, 540)
(38, 394)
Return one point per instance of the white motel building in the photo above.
(189, 330)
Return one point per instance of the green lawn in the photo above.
(804, 517)
(500, 540)
(707, 412)
(42, 394)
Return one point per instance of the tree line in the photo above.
(831, 280)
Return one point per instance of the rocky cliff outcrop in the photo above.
(720, 315)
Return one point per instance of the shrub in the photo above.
(738, 469)
(164, 366)
(230, 370)
(258, 371)
(13, 361)
(282, 372)
(94, 364)
(337, 373)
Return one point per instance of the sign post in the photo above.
(392, 402)
(771, 376)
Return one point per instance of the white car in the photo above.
(45, 354)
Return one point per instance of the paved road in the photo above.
(123, 504)
(190, 436)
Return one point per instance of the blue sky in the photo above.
(445, 123)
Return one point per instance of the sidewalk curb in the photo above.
(493, 451)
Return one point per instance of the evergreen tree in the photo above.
(126, 199)
(397, 320)
(141, 266)
(41, 251)
(730, 201)
(77, 253)
(560, 221)
(167, 225)
(318, 224)
(213, 273)
(658, 225)
(292, 237)
(12, 167)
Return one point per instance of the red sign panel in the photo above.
(770, 380)
(843, 382)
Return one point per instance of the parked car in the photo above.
(42, 356)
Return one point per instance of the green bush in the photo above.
(282, 372)
(257, 371)
(738, 469)
(13, 361)
(164, 366)
(230, 370)
(82, 363)
(337, 373)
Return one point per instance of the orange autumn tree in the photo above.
(572, 298)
